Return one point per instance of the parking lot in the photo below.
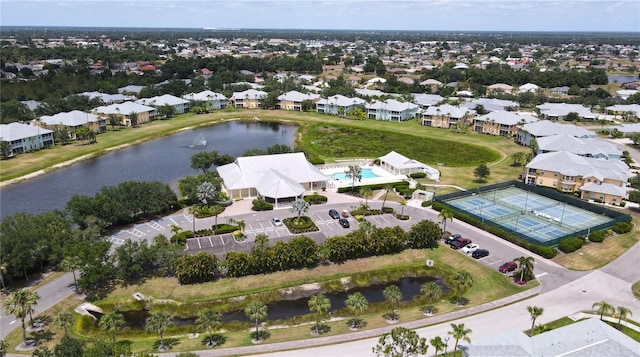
(261, 223)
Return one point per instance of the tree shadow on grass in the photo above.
(214, 340)
(169, 343)
(322, 329)
(42, 336)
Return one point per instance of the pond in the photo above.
(287, 309)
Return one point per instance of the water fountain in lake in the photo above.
(199, 141)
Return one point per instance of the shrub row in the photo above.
(546, 252)
(416, 175)
(570, 244)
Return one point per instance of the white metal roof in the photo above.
(125, 108)
(204, 96)
(507, 118)
(295, 96)
(275, 174)
(72, 118)
(579, 146)
(166, 99)
(570, 164)
(547, 127)
(16, 131)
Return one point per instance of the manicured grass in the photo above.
(338, 141)
(554, 325)
(596, 255)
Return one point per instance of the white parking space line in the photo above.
(541, 274)
(199, 246)
(211, 242)
(136, 232)
(496, 262)
(156, 226)
(221, 240)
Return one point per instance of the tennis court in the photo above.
(541, 219)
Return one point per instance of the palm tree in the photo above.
(431, 291)
(445, 214)
(210, 320)
(388, 187)
(111, 323)
(437, 343)
(602, 308)
(15, 305)
(241, 225)
(535, 312)
(459, 333)
(366, 193)
(623, 313)
(257, 311)
(525, 264)
(356, 302)
(354, 172)
(159, 322)
(3, 273)
(71, 263)
(300, 208)
(393, 295)
(462, 281)
(63, 320)
(175, 229)
(32, 299)
(319, 304)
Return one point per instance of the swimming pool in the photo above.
(366, 174)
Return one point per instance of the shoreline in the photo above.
(97, 154)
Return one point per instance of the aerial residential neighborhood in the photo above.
(475, 182)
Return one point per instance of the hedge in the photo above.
(544, 251)
(181, 238)
(315, 199)
(597, 236)
(426, 203)
(416, 175)
(379, 186)
(224, 228)
(261, 205)
(570, 244)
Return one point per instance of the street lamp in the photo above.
(446, 344)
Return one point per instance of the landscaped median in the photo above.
(168, 295)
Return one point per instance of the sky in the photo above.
(419, 15)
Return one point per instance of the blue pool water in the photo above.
(366, 174)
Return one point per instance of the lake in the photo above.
(166, 159)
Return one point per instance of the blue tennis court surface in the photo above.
(537, 217)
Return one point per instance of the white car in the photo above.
(469, 248)
(276, 221)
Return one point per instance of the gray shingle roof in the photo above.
(16, 131)
(570, 164)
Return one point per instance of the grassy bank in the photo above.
(489, 285)
(496, 150)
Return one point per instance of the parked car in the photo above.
(460, 242)
(469, 248)
(276, 221)
(344, 222)
(508, 267)
(345, 213)
(480, 253)
(451, 238)
(334, 214)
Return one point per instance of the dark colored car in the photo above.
(480, 253)
(344, 222)
(460, 242)
(334, 214)
(508, 267)
(451, 238)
